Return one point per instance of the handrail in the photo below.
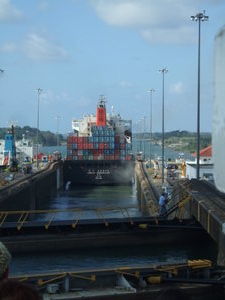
(166, 270)
(23, 216)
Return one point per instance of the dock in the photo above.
(195, 213)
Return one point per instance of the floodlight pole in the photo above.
(144, 135)
(58, 118)
(200, 17)
(38, 106)
(151, 91)
(163, 71)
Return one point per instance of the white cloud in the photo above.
(161, 21)
(38, 47)
(169, 35)
(50, 97)
(177, 88)
(8, 47)
(8, 12)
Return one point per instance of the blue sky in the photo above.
(76, 50)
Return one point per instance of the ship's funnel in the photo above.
(101, 113)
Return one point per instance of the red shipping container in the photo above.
(106, 146)
(69, 157)
(80, 140)
(80, 157)
(117, 157)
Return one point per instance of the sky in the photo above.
(76, 50)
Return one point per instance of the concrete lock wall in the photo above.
(30, 192)
(147, 196)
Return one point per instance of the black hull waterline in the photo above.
(99, 172)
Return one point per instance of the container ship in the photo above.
(99, 151)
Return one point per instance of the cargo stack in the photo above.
(103, 144)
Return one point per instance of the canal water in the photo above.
(143, 146)
(88, 199)
(111, 201)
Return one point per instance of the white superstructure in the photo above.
(83, 126)
(24, 150)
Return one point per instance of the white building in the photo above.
(218, 134)
(24, 150)
(206, 170)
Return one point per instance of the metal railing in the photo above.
(21, 218)
(149, 273)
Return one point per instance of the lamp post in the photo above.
(58, 118)
(38, 105)
(136, 128)
(163, 71)
(144, 135)
(151, 91)
(140, 135)
(200, 17)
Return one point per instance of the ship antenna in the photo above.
(102, 100)
(12, 124)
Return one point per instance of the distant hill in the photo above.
(179, 140)
(46, 138)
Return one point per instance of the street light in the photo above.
(140, 134)
(151, 91)
(38, 105)
(200, 17)
(144, 135)
(163, 71)
(58, 118)
(136, 129)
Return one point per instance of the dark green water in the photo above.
(99, 197)
(109, 258)
(91, 198)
